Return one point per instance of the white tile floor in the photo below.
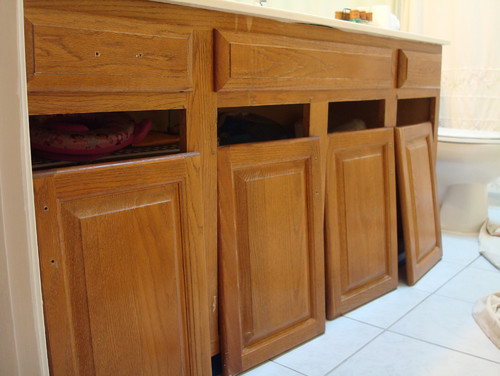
(423, 330)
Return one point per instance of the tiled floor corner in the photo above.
(426, 329)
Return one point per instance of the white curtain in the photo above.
(470, 94)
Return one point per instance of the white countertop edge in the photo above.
(296, 17)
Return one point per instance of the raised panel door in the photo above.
(418, 197)
(270, 244)
(122, 269)
(360, 215)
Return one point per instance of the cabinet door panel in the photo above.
(125, 266)
(74, 52)
(419, 203)
(270, 249)
(250, 61)
(418, 69)
(361, 245)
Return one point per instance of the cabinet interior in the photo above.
(355, 115)
(164, 137)
(414, 111)
(259, 123)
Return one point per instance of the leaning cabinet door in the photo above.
(122, 266)
(361, 227)
(271, 251)
(419, 203)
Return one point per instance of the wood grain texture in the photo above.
(360, 217)
(418, 197)
(47, 103)
(270, 97)
(252, 61)
(418, 69)
(274, 63)
(316, 124)
(271, 256)
(102, 54)
(208, 20)
(123, 268)
(201, 136)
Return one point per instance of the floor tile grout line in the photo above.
(441, 295)
(428, 296)
(387, 329)
(357, 351)
(443, 347)
(287, 367)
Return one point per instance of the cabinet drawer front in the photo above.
(246, 61)
(94, 58)
(418, 70)
(271, 249)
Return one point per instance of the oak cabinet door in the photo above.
(271, 251)
(360, 216)
(122, 267)
(419, 202)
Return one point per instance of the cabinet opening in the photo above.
(355, 115)
(238, 125)
(415, 111)
(79, 139)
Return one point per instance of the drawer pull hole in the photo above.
(139, 55)
(97, 54)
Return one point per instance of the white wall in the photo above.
(470, 79)
(22, 340)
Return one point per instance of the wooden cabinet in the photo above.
(129, 249)
(419, 202)
(418, 69)
(360, 219)
(90, 53)
(246, 61)
(123, 268)
(271, 251)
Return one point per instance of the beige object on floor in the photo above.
(486, 312)
(489, 242)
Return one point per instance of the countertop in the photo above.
(291, 16)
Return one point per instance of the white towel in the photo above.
(486, 312)
(489, 242)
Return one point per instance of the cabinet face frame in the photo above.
(74, 206)
(249, 176)
(356, 270)
(418, 197)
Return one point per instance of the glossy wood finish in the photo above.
(253, 61)
(419, 202)
(70, 52)
(250, 60)
(418, 69)
(201, 136)
(360, 214)
(123, 268)
(271, 256)
(125, 15)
